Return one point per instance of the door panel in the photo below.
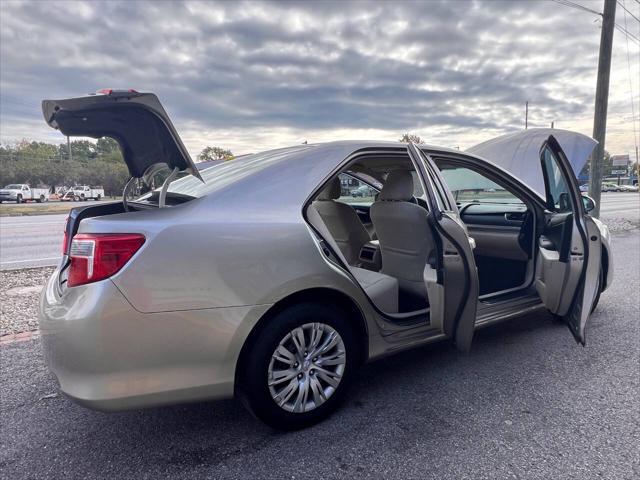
(459, 269)
(570, 248)
(500, 242)
(457, 276)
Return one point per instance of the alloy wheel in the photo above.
(306, 367)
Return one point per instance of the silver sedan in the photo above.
(263, 278)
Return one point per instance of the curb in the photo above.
(18, 337)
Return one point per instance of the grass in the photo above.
(47, 208)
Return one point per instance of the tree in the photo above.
(106, 145)
(606, 166)
(81, 149)
(214, 153)
(411, 137)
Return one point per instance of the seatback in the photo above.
(342, 222)
(403, 231)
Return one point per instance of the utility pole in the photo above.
(526, 115)
(69, 148)
(602, 98)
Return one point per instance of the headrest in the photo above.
(331, 191)
(398, 186)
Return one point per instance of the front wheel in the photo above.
(19, 199)
(298, 369)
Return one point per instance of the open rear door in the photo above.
(453, 275)
(568, 264)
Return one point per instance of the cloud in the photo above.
(252, 75)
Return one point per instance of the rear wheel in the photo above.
(41, 199)
(298, 368)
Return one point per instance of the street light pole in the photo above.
(602, 97)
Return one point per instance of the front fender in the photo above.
(607, 255)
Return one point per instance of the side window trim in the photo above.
(441, 186)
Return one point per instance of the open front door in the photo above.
(453, 274)
(568, 263)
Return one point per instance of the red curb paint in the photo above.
(18, 337)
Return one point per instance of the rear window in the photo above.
(217, 176)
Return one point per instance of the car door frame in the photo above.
(585, 290)
(455, 261)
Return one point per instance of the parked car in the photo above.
(363, 191)
(610, 187)
(21, 192)
(197, 290)
(628, 188)
(81, 193)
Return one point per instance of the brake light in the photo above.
(96, 256)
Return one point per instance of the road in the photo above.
(35, 241)
(31, 241)
(526, 402)
(620, 205)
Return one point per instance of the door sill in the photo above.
(507, 306)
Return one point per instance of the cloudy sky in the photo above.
(252, 76)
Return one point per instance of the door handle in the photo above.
(472, 242)
(514, 216)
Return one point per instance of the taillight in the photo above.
(96, 256)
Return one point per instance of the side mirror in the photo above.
(588, 202)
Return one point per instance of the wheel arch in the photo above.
(321, 295)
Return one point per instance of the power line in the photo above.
(620, 28)
(627, 33)
(567, 3)
(626, 10)
(633, 107)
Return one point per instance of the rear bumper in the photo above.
(108, 356)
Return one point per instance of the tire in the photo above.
(259, 365)
(19, 199)
(83, 198)
(76, 198)
(98, 198)
(41, 199)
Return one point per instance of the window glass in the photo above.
(557, 189)
(356, 191)
(469, 186)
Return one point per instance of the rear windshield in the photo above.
(218, 175)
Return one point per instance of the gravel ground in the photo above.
(620, 224)
(19, 298)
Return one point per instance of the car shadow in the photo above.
(417, 386)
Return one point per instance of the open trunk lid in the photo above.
(137, 121)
